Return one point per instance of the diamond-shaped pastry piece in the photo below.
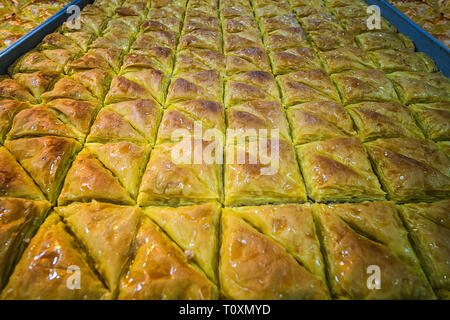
(325, 40)
(411, 169)
(390, 60)
(248, 86)
(344, 59)
(294, 59)
(383, 120)
(417, 87)
(364, 85)
(320, 120)
(305, 86)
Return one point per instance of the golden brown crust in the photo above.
(252, 85)
(46, 159)
(19, 220)
(319, 120)
(160, 271)
(269, 175)
(320, 22)
(14, 181)
(107, 232)
(198, 60)
(383, 40)
(411, 169)
(418, 87)
(52, 252)
(205, 85)
(383, 120)
(305, 86)
(253, 266)
(195, 229)
(8, 110)
(356, 238)
(13, 90)
(338, 170)
(390, 60)
(173, 179)
(428, 225)
(258, 115)
(247, 59)
(344, 59)
(294, 59)
(88, 179)
(364, 85)
(325, 40)
(186, 115)
(434, 119)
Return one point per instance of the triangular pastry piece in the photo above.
(46, 267)
(8, 110)
(14, 181)
(292, 226)
(46, 159)
(110, 126)
(195, 229)
(160, 271)
(253, 266)
(107, 231)
(88, 179)
(125, 160)
(19, 219)
(357, 247)
(37, 82)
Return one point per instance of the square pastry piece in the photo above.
(346, 58)
(274, 256)
(411, 169)
(260, 172)
(181, 173)
(367, 239)
(319, 120)
(109, 172)
(416, 87)
(305, 86)
(434, 119)
(429, 227)
(364, 85)
(338, 170)
(383, 120)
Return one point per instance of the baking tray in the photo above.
(35, 36)
(423, 41)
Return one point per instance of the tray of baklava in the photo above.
(225, 149)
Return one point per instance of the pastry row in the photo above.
(292, 251)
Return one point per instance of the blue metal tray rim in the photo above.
(423, 41)
(35, 36)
